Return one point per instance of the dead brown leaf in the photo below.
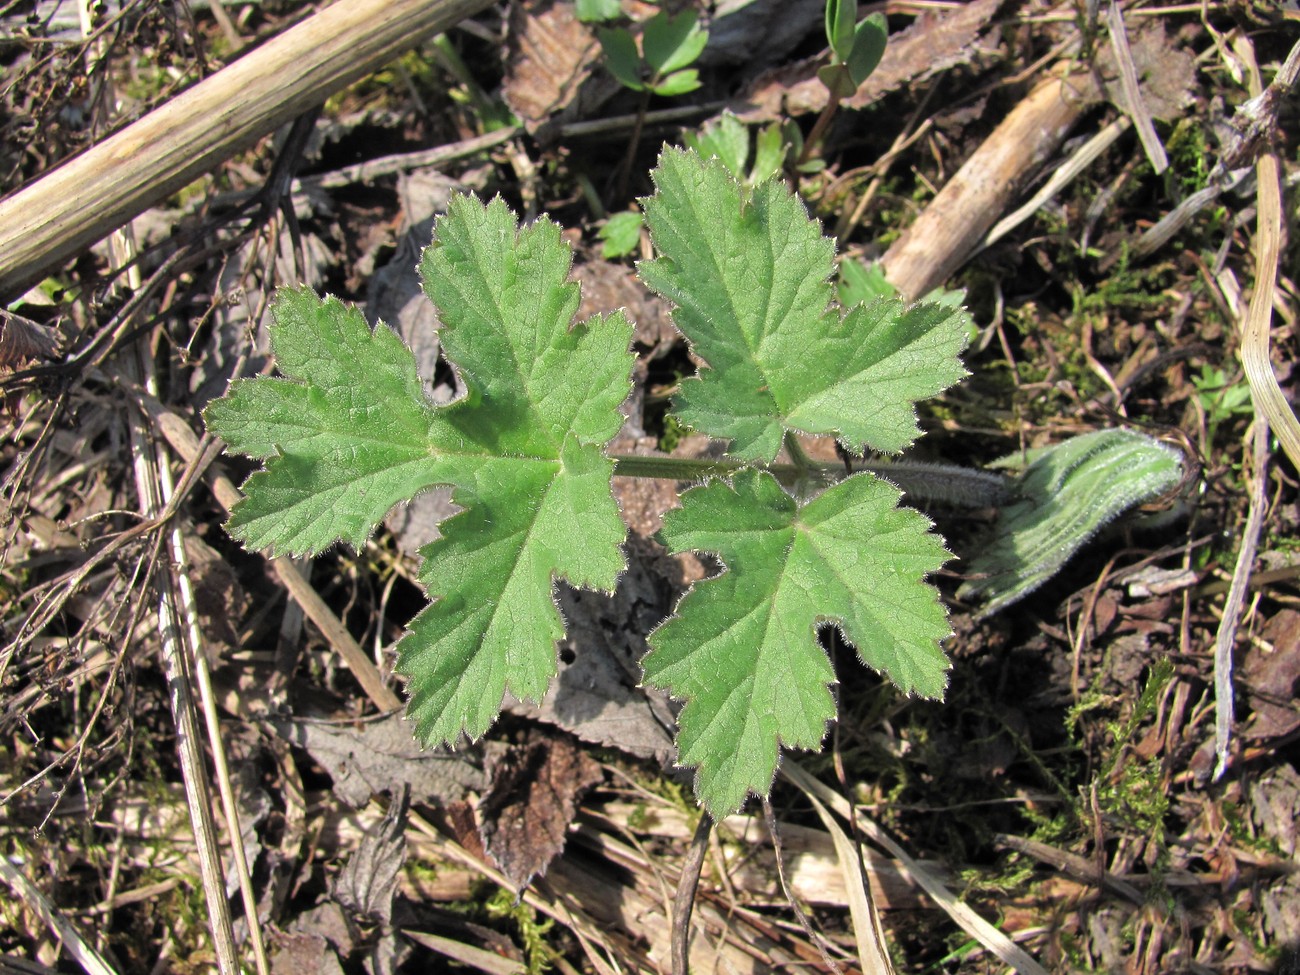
(378, 755)
(23, 341)
(597, 694)
(525, 816)
(1270, 673)
(1166, 73)
(304, 954)
(551, 57)
(368, 881)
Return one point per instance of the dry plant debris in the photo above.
(1066, 790)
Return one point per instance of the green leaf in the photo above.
(621, 57)
(860, 281)
(868, 48)
(743, 650)
(1068, 491)
(840, 15)
(507, 309)
(749, 272)
(494, 624)
(621, 234)
(727, 138)
(595, 11)
(769, 153)
(838, 79)
(347, 433)
(677, 83)
(671, 43)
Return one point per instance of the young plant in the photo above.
(856, 50)
(621, 234)
(346, 433)
(669, 45)
(727, 137)
(1221, 399)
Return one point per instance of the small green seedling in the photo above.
(727, 138)
(661, 67)
(1221, 399)
(346, 432)
(621, 234)
(669, 45)
(856, 50)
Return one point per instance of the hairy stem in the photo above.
(950, 484)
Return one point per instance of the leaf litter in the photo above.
(1074, 656)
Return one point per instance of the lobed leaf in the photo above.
(749, 272)
(743, 649)
(347, 433)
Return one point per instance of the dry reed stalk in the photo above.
(89, 196)
(957, 219)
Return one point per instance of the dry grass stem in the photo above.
(88, 197)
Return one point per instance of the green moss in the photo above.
(1128, 788)
(674, 432)
(1189, 156)
(421, 872)
(1126, 287)
(530, 929)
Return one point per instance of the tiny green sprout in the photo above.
(856, 50)
(668, 45)
(1221, 399)
(621, 234)
(728, 139)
